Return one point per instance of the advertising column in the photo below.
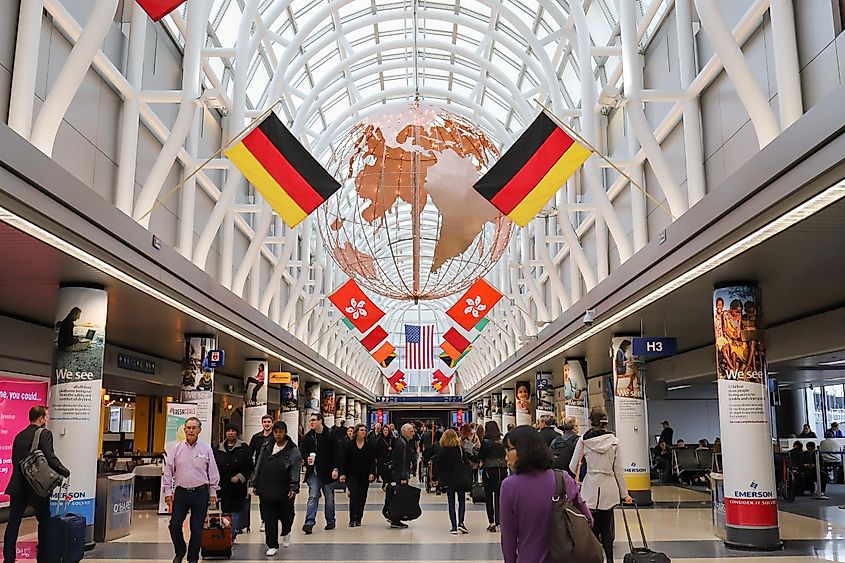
(312, 399)
(496, 409)
(75, 394)
(255, 396)
(488, 413)
(508, 409)
(751, 512)
(575, 393)
(523, 403)
(198, 379)
(545, 395)
(479, 412)
(288, 403)
(327, 406)
(631, 421)
(350, 411)
(339, 408)
(357, 416)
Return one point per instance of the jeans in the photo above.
(493, 478)
(358, 489)
(315, 489)
(603, 529)
(197, 503)
(17, 507)
(451, 495)
(272, 512)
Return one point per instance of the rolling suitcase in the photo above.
(640, 554)
(65, 534)
(217, 539)
(244, 515)
(402, 503)
(477, 494)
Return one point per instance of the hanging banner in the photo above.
(288, 405)
(350, 411)
(198, 380)
(631, 420)
(327, 407)
(174, 432)
(312, 398)
(496, 409)
(523, 403)
(76, 391)
(17, 396)
(255, 396)
(744, 416)
(575, 392)
(339, 408)
(508, 410)
(545, 395)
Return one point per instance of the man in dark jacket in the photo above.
(321, 453)
(21, 494)
(276, 483)
(339, 432)
(261, 438)
(403, 458)
(564, 446)
(234, 462)
(667, 433)
(547, 429)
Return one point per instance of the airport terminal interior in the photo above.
(604, 237)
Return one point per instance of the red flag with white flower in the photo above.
(356, 307)
(478, 300)
(397, 381)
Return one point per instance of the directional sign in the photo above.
(655, 346)
(422, 399)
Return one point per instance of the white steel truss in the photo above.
(330, 63)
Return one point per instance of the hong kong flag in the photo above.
(355, 306)
(397, 381)
(157, 9)
(478, 300)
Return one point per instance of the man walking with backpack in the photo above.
(21, 493)
(564, 446)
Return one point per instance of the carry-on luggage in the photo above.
(477, 494)
(402, 502)
(65, 541)
(640, 554)
(244, 515)
(217, 539)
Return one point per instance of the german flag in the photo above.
(282, 170)
(538, 164)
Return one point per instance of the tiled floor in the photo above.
(679, 524)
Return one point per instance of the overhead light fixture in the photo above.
(62, 245)
(832, 363)
(807, 209)
(676, 387)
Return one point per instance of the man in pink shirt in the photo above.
(191, 482)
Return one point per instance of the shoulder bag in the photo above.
(37, 472)
(570, 536)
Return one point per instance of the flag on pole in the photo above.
(478, 300)
(157, 9)
(282, 170)
(356, 307)
(538, 164)
(397, 381)
(419, 347)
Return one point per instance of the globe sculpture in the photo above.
(407, 223)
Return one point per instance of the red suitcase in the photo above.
(217, 539)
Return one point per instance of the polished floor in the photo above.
(679, 524)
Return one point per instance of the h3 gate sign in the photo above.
(655, 346)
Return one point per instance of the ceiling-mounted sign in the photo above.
(282, 377)
(216, 359)
(424, 399)
(655, 346)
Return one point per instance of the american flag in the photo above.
(419, 347)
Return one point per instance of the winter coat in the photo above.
(449, 471)
(604, 486)
(384, 453)
(403, 458)
(257, 443)
(233, 462)
(278, 474)
(327, 449)
(492, 454)
(358, 462)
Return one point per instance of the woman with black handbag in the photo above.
(453, 473)
(494, 471)
(384, 455)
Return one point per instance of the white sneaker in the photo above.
(272, 551)
(261, 529)
(286, 541)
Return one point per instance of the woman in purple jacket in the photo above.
(526, 503)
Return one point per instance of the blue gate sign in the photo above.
(655, 346)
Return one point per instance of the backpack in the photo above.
(37, 472)
(563, 447)
(570, 536)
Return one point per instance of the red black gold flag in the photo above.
(397, 381)
(538, 164)
(157, 9)
(282, 170)
(440, 381)
(456, 340)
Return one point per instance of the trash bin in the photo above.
(115, 502)
(717, 497)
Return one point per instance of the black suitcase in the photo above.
(402, 502)
(65, 541)
(477, 494)
(640, 554)
(244, 515)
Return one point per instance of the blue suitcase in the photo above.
(66, 537)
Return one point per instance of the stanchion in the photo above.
(818, 494)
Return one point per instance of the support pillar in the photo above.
(327, 407)
(523, 403)
(350, 411)
(288, 403)
(508, 409)
(575, 392)
(339, 409)
(545, 395)
(496, 409)
(631, 419)
(478, 412)
(255, 396)
(357, 416)
(198, 379)
(488, 415)
(312, 399)
(751, 512)
(75, 394)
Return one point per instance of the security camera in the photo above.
(589, 317)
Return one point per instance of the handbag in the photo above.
(462, 481)
(37, 472)
(570, 536)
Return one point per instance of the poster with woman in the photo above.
(327, 407)
(339, 408)
(312, 398)
(575, 391)
(496, 408)
(488, 413)
(255, 395)
(508, 409)
(350, 411)
(545, 395)
(288, 403)
(523, 403)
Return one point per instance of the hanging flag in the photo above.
(440, 381)
(397, 381)
(157, 9)
(481, 324)
(447, 359)
(374, 338)
(356, 306)
(450, 350)
(392, 356)
(456, 340)
(478, 300)
(383, 353)
(282, 170)
(538, 164)
(419, 347)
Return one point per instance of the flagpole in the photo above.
(160, 201)
(601, 155)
